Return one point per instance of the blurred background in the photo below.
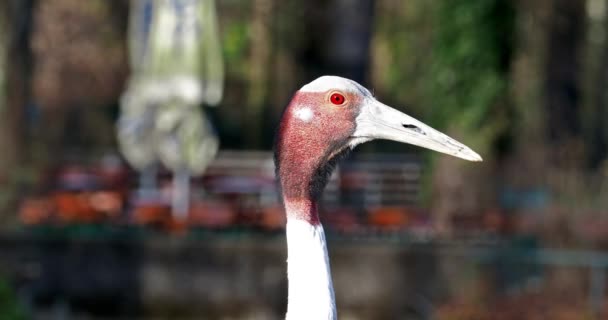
(136, 173)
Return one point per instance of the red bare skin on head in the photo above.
(312, 132)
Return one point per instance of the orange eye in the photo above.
(337, 99)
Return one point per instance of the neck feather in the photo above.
(302, 209)
(311, 293)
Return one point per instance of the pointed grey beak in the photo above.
(379, 121)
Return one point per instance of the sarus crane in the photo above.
(325, 119)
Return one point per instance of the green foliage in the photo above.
(235, 46)
(447, 61)
(401, 50)
(467, 75)
(9, 307)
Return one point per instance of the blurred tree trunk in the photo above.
(338, 41)
(79, 49)
(347, 43)
(528, 71)
(15, 91)
(598, 141)
(259, 71)
(562, 91)
(529, 148)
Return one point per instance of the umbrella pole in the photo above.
(147, 182)
(181, 194)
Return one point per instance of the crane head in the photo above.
(331, 115)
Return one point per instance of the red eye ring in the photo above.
(337, 99)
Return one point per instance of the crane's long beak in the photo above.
(379, 121)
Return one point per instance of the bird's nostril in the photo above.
(414, 128)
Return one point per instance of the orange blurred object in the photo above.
(109, 203)
(151, 213)
(343, 219)
(493, 220)
(273, 218)
(389, 217)
(211, 214)
(75, 207)
(175, 226)
(36, 210)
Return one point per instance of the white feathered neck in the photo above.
(311, 293)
